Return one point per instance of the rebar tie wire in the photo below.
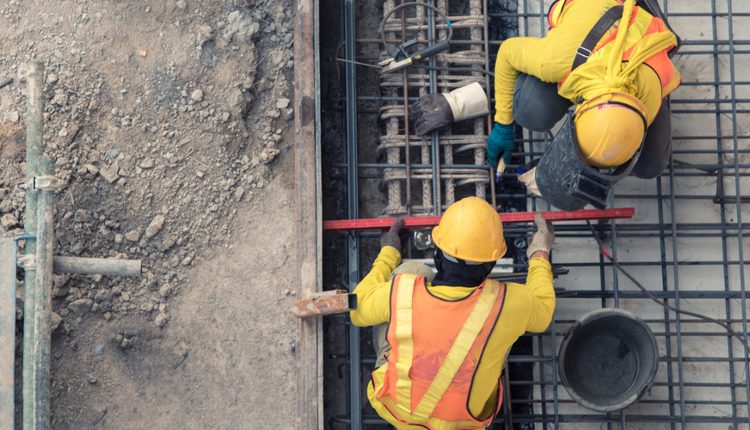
(648, 294)
(415, 3)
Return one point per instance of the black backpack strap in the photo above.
(595, 35)
(652, 7)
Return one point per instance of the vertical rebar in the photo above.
(615, 272)
(723, 214)
(427, 185)
(355, 386)
(555, 382)
(449, 193)
(488, 85)
(407, 150)
(392, 129)
(437, 206)
(477, 35)
(738, 194)
(665, 287)
(676, 286)
(7, 332)
(34, 151)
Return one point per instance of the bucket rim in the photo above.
(586, 319)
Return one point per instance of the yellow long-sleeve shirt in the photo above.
(550, 59)
(527, 308)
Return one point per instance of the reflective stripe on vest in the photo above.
(641, 26)
(555, 12)
(420, 383)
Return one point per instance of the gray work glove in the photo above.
(543, 238)
(391, 237)
(433, 111)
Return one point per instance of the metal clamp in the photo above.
(423, 239)
(26, 261)
(583, 52)
(47, 183)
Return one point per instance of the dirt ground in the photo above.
(170, 122)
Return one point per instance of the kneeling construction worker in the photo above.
(442, 338)
(617, 75)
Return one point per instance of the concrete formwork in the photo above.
(686, 243)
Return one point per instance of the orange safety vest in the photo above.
(436, 348)
(641, 25)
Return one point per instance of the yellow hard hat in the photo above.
(610, 128)
(470, 230)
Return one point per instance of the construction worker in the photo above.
(617, 75)
(442, 338)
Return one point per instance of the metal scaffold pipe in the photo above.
(41, 315)
(39, 263)
(33, 392)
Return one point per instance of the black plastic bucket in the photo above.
(608, 360)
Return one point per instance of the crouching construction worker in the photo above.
(610, 58)
(442, 338)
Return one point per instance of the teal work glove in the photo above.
(500, 144)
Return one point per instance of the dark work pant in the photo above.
(538, 107)
(658, 145)
(536, 104)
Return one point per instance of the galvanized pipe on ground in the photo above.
(97, 266)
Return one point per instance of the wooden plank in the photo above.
(308, 202)
(7, 331)
(325, 303)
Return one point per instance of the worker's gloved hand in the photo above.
(500, 144)
(529, 179)
(391, 237)
(433, 111)
(543, 238)
(430, 112)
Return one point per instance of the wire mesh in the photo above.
(687, 243)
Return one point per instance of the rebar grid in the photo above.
(687, 243)
(449, 70)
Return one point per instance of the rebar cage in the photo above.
(686, 243)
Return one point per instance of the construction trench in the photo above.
(686, 242)
(355, 157)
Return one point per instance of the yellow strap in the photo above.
(618, 46)
(459, 350)
(405, 294)
(619, 73)
(585, 80)
(647, 47)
